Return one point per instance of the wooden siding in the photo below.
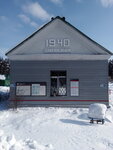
(91, 75)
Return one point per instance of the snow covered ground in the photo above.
(54, 129)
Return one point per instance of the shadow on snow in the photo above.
(76, 122)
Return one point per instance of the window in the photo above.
(31, 89)
(58, 83)
(74, 87)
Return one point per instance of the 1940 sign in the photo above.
(57, 45)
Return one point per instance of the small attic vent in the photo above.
(52, 18)
(63, 18)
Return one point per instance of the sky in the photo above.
(20, 18)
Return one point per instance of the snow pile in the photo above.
(10, 143)
(111, 94)
(4, 89)
(4, 93)
(97, 111)
(2, 77)
(109, 116)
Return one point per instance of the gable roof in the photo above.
(62, 19)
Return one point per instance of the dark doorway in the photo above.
(58, 83)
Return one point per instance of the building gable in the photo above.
(58, 37)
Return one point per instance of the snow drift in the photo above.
(10, 143)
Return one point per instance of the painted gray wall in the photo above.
(91, 75)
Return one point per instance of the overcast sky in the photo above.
(20, 18)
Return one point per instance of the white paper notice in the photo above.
(23, 90)
(42, 90)
(74, 85)
(38, 89)
(35, 89)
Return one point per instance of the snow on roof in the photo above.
(2, 77)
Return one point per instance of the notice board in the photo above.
(74, 87)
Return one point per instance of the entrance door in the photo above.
(58, 83)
